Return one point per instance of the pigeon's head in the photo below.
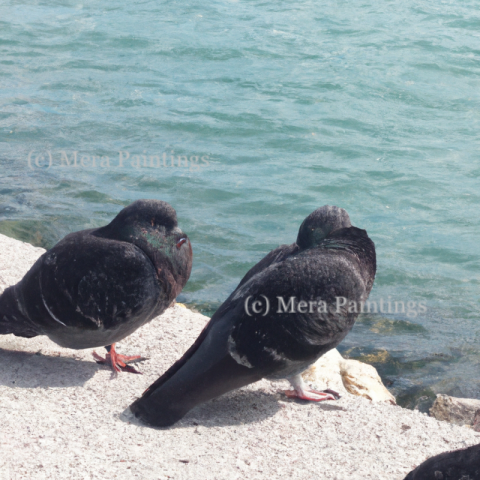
(149, 214)
(152, 226)
(321, 223)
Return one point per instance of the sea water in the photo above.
(246, 115)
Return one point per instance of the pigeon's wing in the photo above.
(312, 298)
(90, 283)
(277, 255)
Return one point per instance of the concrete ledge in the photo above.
(62, 417)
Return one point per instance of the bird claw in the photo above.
(118, 362)
(333, 392)
(312, 395)
(135, 359)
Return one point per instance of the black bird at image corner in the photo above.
(463, 464)
(332, 265)
(97, 286)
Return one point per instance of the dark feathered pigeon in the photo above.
(461, 464)
(95, 287)
(296, 304)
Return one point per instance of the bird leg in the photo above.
(303, 392)
(117, 361)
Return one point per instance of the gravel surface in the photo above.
(61, 416)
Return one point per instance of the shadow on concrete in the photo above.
(235, 408)
(30, 370)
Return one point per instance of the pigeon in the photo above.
(463, 464)
(97, 286)
(296, 304)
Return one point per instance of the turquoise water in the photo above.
(292, 105)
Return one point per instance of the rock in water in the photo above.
(296, 304)
(460, 411)
(97, 286)
(461, 464)
(476, 421)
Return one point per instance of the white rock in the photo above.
(337, 373)
(363, 379)
(326, 372)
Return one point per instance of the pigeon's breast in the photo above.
(80, 338)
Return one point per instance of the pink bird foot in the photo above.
(312, 395)
(303, 392)
(117, 361)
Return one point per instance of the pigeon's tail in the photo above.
(206, 371)
(12, 320)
